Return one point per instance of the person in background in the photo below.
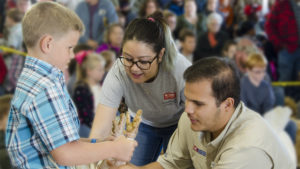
(110, 58)
(247, 30)
(14, 62)
(126, 8)
(190, 19)
(42, 128)
(257, 93)
(211, 42)
(13, 25)
(113, 38)
(176, 6)
(96, 15)
(283, 30)
(148, 8)
(171, 20)
(72, 67)
(23, 5)
(149, 77)
(226, 9)
(216, 129)
(71, 4)
(90, 71)
(3, 72)
(244, 48)
(122, 20)
(229, 49)
(4, 111)
(188, 43)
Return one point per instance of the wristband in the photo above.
(93, 140)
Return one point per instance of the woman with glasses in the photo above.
(149, 75)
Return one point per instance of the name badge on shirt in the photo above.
(201, 152)
(169, 96)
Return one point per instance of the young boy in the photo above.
(188, 43)
(43, 125)
(14, 27)
(4, 110)
(257, 93)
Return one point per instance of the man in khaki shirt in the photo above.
(217, 130)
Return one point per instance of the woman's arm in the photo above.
(102, 123)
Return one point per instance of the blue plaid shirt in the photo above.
(42, 116)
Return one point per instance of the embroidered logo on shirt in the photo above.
(102, 12)
(199, 151)
(168, 96)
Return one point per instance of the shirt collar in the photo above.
(216, 142)
(43, 67)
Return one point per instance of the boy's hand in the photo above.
(124, 148)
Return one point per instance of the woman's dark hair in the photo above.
(155, 32)
(223, 74)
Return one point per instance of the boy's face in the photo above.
(62, 50)
(189, 44)
(257, 73)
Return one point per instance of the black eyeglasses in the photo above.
(143, 65)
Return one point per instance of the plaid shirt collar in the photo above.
(43, 68)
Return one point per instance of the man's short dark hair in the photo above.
(223, 74)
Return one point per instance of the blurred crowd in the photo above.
(261, 36)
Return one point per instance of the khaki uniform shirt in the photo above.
(247, 142)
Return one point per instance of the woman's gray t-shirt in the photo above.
(161, 100)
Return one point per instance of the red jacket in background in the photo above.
(281, 26)
(3, 69)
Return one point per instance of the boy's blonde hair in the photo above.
(256, 60)
(48, 18)
(4, 105)
(89, 62)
